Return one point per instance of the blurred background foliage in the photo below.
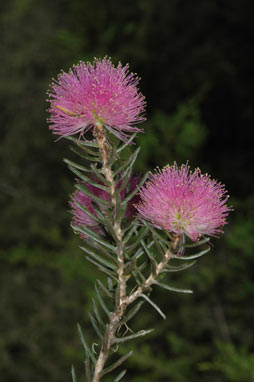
(195, 61)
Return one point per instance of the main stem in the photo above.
(120, 307)
(123, 301)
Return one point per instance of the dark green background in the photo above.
(195, 60)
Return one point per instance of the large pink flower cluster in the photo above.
(96, 92)
(81, 218)
(181, 201)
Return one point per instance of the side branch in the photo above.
(150, 280)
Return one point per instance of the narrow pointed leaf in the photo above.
(105, 290)
(87, 349)
(79, 150)
(120, 376)
(173, 289)
(95, 198)
(89, 213)
(87, 250)
(171, 268)
(134, 192)
(99, 248)
(142, 234)
(205, 240)
(199, 254)
(101, 268)
(132, 312)
(97, 314)
(129, 163)
(100, 212)
(122, 147)
(149, 254)
(83, 142)
(141, 333)
(157, 234)
(117, 363)
(131, 232)
(95, 326)
(75, 168)
(160, 246)
(130, 266)
(99, 174)
(124, 179)
(110, 285)
(73, 374)
(102, 303)
(110, 228)
(154, 306)
(99, 258)
(94, 236)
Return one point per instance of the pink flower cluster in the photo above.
(81, 218)
(181, 201)
(96, 92)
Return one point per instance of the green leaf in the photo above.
(89, 158)
(101, 268)
(99, 258)
(129, 266)
(154, 305)
(97, 314)
(132, 312)
(172, 268)
(173, 289)
(110, 227)
(89, 213)
(73, 374)
(159, 245)
(142, 234)
(120, 211)
(94, 324)
(120, 376)
(85, 178)
(117, 363)
(131, 232)
(79, 149)
(99, 248)
(141, 333)
(105, 290)
(199, 254)
(102, 303)
(158, 235)
(87, 349)
(129, 163)
(110, 285)
(95, 198)
(122, 147)
(133, 193)
(94, 236)
(99, 174)
(87, 250)
(80, 142)
(205, 240)
(124, 178)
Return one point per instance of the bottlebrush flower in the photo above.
(181, 201)
(96, 92)
(81, 218)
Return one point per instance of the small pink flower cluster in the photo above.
(96, 92)
(179, 201)
(81, 218)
